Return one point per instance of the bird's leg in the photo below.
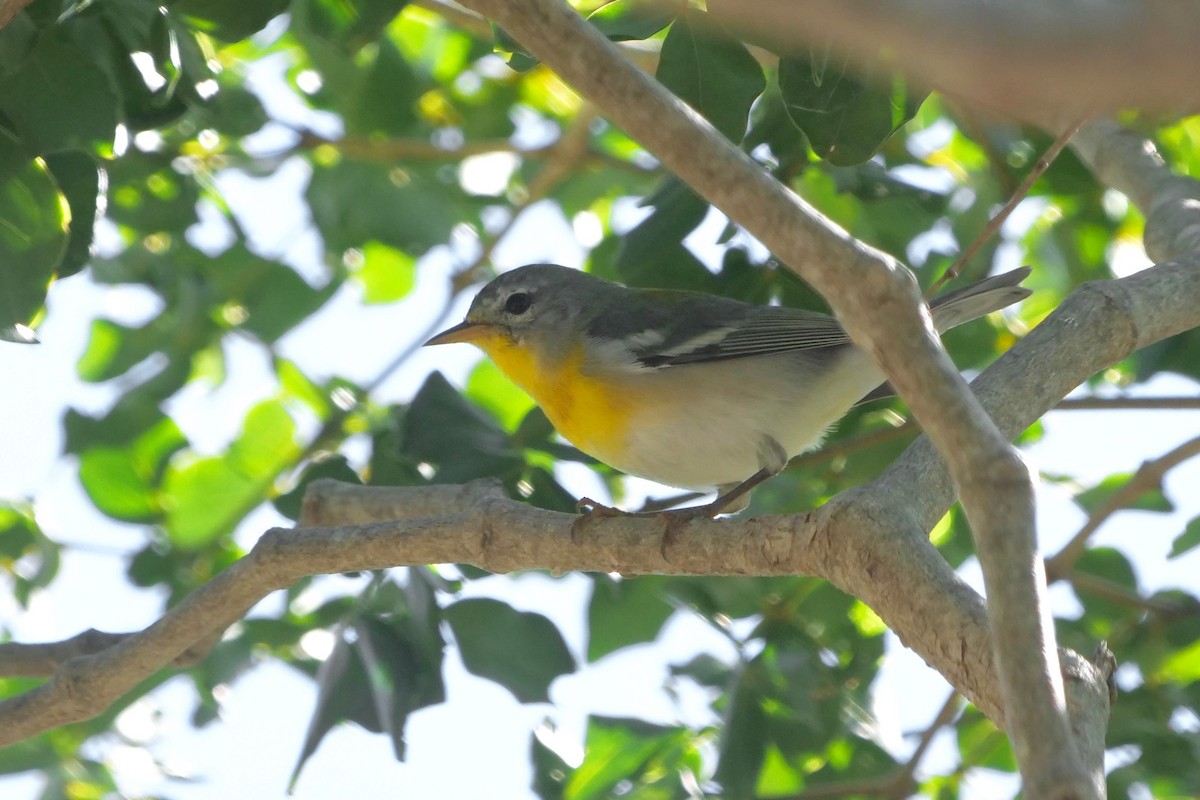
(588, 510)
(675, 518)
(725, 503)
(772, 458)
(729, 499)
(771, 455)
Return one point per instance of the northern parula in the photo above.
(684, 388)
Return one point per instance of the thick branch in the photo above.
(474, 524)
(1130, 164)
(1024, 59)
(40, 660)
(1052, 360)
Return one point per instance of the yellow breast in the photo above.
(591, 415)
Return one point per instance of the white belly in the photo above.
(719, 439)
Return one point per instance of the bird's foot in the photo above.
(588, 510)
(673, 520)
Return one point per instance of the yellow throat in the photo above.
(592, 416)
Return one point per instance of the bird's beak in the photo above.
(463, 332)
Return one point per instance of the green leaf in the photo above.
(30, 558)
(206, 497)
(350, 26)
(354, 202)
(630, 751)
(778, 778)
(846, 118)
(233, 111)
(17, 39)
(624, 612)
(652, 254)
(706, 670)
(625, 20)
(295, 385)
(548, 493)
(460, 440)
(1187, 540)
(522, 651)
(148, 195)
(488, 387)
(229, 20)
(743, 744)
(34, 219)
(981, 744)
(711, 71)
(1103, 613)
(508, 48)
(1181, 666)
(550, 771)
(123, 482)
(343, 693)
(1150, 499)
(112, 481)
(59, 99)
(404, 676)
(31, 754)
(133, 415)
(335, 467)
(272, 296)
(113, 349)
(79, 181)
(386, 274)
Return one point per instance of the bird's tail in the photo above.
(970, 302)
(965, 304)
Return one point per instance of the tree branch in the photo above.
(1025, 59)
(905, 782)
(9, 10)
(475, 523)
(1129, 404)
(994, 224)
(876, 300)
(1148, 476)
(42, 659)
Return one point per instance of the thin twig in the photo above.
(1083, 581)
(897, 785)
(904, 780)
(968, 120)
(464, 18)
(1148, 476)
(409, 149)
(1129, 403)
(864, 442)
(995, 222)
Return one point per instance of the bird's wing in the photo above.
(653, 329)
(763, 331)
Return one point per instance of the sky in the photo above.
(251, 751)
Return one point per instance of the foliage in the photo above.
(125, 125)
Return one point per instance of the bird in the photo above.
(684, 388)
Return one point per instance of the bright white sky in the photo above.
(250, 753)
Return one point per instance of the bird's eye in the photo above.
(517, 303)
